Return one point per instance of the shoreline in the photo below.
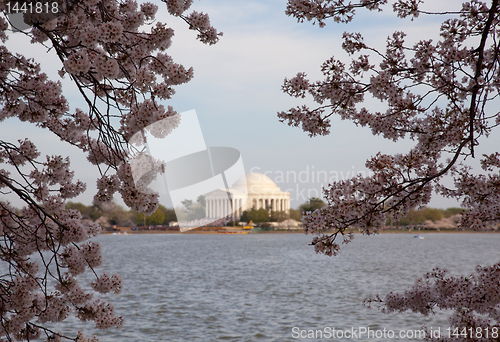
(411, 232)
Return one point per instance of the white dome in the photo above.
(256, 183)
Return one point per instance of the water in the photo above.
(258, 287)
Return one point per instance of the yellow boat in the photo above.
(250, 225)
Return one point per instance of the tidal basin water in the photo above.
(259, 287)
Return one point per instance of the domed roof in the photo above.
(256, 183)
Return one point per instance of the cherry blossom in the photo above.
(443, 95)
(115, 53)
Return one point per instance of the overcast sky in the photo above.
(236, 92)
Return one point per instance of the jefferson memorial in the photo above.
(254, 190)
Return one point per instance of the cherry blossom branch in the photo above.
(479, 68)
(412, 87)
(121, 72)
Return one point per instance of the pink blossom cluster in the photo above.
(106, 283)
(480, 193)
(162, 128)
(178, 7)
(448, 69)
(441, 94)
(27, 233)
(81, 338)
(102, 313)
(142, 199)
(45, 225)
(474, 299)
(142, 116)
(197, 20)
(144, 169)
(320, 10)
(77, 63)
(138, 197)
(115, 54)
(310, 120)
(200, 22)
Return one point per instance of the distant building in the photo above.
(262, 193)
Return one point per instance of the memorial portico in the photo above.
(261, 193)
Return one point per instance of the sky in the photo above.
(236, 92)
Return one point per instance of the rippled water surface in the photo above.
(258, 287)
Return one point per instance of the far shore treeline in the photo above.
(115, 215)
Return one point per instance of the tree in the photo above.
(420, 216)
(86, 211)
(159, 217)
(432, 214)
(193, 211)
(312, 204)
(257, 216)
(155, 218)
(115, 214)
(452, 211)
(168, 214)
(441, 94)
(296, 214)
(201, 200)
(121, 72)
(278, 216)
(188, 205)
